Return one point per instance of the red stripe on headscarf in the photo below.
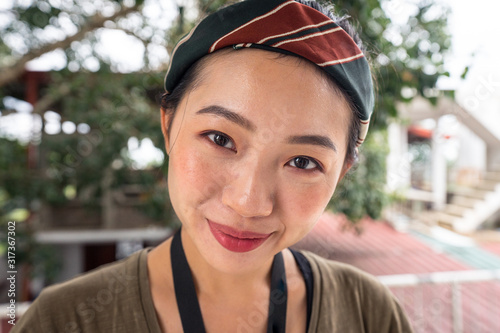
(319, 47)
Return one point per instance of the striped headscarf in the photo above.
(284, 26)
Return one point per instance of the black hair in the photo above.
(170, 102)
(355, 125)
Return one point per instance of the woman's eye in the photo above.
(221, 140)
(304, 163)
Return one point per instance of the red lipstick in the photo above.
(236, 240)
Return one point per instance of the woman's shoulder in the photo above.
(348, 299)
(103, 299)
(334, 272)
(112, 277)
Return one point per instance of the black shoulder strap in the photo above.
(278, 297)
(187, 300)
(306, 270)
(185, 293)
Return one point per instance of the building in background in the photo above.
(445, 161)
(102, 223)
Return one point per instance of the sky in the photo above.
(473, 25)
(475, 30)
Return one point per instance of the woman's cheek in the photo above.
(197, 176)
(307, 203)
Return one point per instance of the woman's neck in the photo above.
(229, 299)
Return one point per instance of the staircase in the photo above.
(469, 207)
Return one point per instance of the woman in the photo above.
(266, 103)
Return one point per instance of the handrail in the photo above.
(405, 280)
(453, 278)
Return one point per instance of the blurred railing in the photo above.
(449, 302)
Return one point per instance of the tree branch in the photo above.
(48, 100)
(97, 21)
(145, 42)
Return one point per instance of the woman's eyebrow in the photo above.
(229, 115)
(317, 140)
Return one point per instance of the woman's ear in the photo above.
(165, 121)
(347, 166)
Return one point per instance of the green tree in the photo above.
(89, 89)
(105, 101)
(407, 42)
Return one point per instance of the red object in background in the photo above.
(420, 132)
(33, 82)
(423, 133)
(5, 327)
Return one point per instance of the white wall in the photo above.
(480, 95)
(472, 151)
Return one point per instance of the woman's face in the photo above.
(255, 153)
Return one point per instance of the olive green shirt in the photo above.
(116, 298)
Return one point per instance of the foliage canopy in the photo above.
(90, 90)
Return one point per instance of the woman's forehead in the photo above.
(271, 88)
(274, 70)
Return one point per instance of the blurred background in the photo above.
(82, 162)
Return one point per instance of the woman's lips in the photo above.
(236, 240)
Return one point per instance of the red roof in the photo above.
(379, 250)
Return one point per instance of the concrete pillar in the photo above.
(107, 204)
(439, 174)
(398, 162)
(72, 261)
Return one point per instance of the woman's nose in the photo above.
(250, 192)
